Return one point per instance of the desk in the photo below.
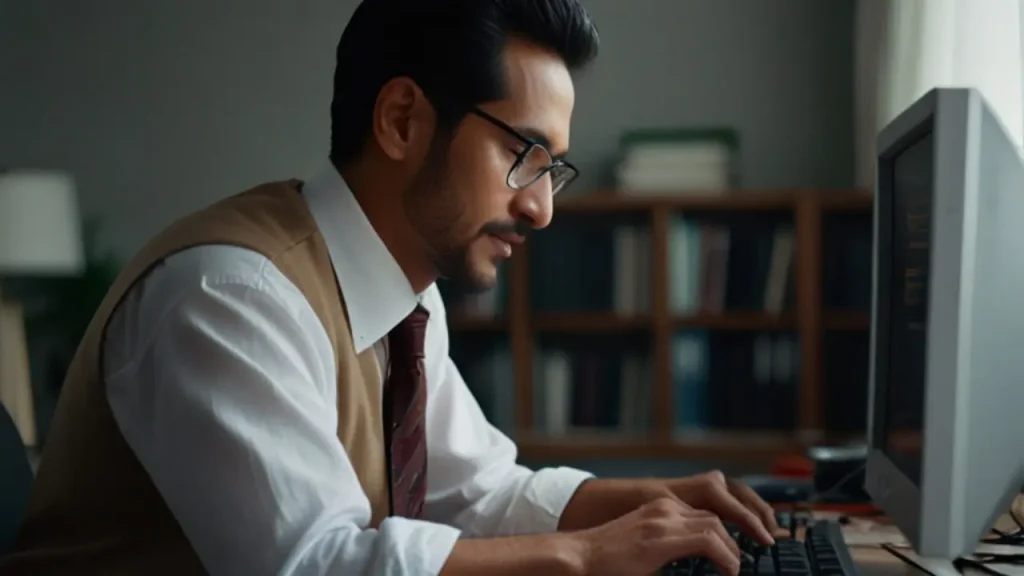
(875, 561)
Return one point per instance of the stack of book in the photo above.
(677, 161)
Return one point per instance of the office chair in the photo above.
(15, 480)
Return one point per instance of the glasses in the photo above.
(534, 161)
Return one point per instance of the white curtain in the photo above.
(907, 47)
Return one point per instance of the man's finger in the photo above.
(729, 507)
(703, 521)
(747, 495)
(704, 544)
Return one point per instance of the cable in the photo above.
(961, 563)
(1006, 559)
(801, 514)
(816, 498)
(1015, 538)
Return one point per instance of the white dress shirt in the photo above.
(223, 382)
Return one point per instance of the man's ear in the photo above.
(403, 120)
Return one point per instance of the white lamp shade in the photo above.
(40, 225)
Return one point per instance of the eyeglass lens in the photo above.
(535, 163)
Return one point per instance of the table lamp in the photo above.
(40, 235)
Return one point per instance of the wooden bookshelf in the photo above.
(469, 323)
(577, 322)
(610, 322)
(612, 201)
(752, 446)
(846, 320)
(808, 320)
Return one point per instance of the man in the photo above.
(267, 388)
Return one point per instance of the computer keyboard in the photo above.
(822, 552)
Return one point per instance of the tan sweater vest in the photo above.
(94, 509)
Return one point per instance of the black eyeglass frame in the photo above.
(521, 157)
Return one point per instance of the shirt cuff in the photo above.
(547, 493)
(407, 546)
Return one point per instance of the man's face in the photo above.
(461, 203)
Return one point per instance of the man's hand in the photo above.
(731, 500)
(653, 535)
(640, 542)
(629, 526)
(601, 500)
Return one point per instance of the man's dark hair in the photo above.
(451, 48)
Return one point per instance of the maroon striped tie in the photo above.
(405, 402)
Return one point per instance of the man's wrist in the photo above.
(557, 554)
(571, 553)
(598, 501)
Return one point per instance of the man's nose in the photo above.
(533, 204)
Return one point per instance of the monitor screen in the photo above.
(912, 174)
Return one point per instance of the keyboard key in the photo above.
(824, 553)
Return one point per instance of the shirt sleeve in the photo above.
(224, 387)
(473, 480)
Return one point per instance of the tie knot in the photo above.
(406, 340)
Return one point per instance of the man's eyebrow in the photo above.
(540, 138)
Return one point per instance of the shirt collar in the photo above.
(376, 292)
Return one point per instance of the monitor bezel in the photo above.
(924, 513)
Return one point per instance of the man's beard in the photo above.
(435, 212)
(434, 209)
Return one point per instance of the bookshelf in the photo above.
(808, 318)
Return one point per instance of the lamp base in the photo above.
(15, 379)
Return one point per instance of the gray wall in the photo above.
(781, 71)
(159, 107)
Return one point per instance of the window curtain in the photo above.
(904, 48)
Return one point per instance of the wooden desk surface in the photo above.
(875, 561)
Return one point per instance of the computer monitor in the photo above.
(946, 404)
